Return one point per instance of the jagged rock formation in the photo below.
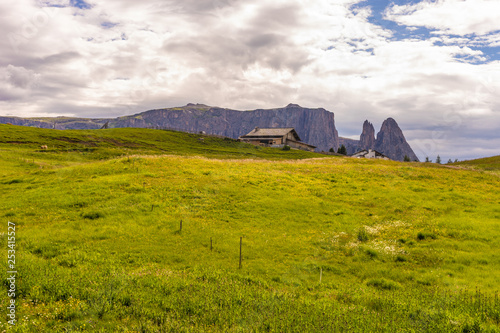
(367, 138)
(390, 141)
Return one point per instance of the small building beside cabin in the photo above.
(370, 153)
(276, 138)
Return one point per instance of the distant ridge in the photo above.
(316, 126)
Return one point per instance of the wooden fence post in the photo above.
(241, 243)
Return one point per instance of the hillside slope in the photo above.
(329, 244)
(128, 141)
(487, 163)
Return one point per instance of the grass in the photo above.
(399, 246)
(487, 164)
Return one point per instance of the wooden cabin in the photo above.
(276, 138)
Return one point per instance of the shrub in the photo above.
(126, 300)
(382, 284)
(422, 236)
(92, 215)
(472, 328)
(286, 148)
(401, 259)
(362, 235)
(371, 253)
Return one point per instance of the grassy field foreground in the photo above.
(329, 244)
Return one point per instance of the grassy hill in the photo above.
(488, 163)
(329, 244)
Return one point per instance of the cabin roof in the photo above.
(258, 132)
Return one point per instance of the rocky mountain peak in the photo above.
(392, 142)
(367, 138)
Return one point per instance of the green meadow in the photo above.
(135, 230)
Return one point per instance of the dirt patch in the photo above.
(120, 143)
(81, 142)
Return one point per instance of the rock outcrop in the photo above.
(367, 138)
(392, 143)
(55, 123)
(314, 126)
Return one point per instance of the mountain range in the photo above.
(314, 126)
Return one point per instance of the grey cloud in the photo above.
(38, 63)
(60, 58)
(21, 77)
(275, 17)
(258, 41)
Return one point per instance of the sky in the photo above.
(434, 66)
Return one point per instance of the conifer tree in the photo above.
(342, 150)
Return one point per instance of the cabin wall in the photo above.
(299, 145)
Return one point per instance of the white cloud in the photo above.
(458, 17)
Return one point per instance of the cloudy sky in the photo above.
(434, 66)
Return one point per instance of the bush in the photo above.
(472, 328)
(286, 148)
(372, 253)
(362, 235)
(382, 284)
(422, 236)
(92, 215)
(401, 259)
